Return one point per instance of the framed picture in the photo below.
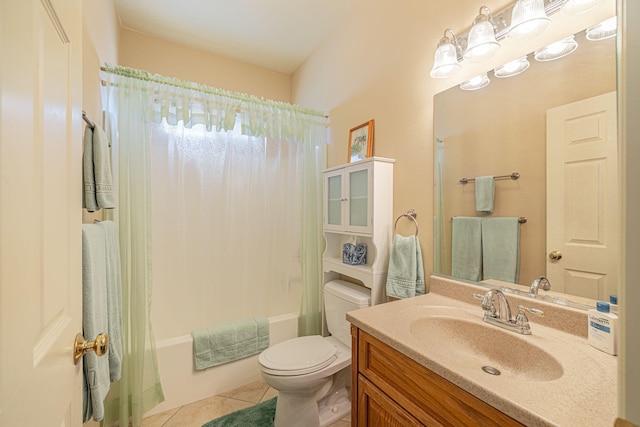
(360, 142)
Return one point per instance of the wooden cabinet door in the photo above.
(377, 409)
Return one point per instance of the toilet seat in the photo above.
(298, 356)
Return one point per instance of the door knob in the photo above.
(81, 347)
(555, 255)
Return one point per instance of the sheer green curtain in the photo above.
(135, 100)
(310, 318)
(139, 388)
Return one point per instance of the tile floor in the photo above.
(197, 413)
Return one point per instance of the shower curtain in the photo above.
(220, 198)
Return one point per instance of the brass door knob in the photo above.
(555, 255)
(81, 347)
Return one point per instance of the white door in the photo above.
(582, 198)
(40, 211)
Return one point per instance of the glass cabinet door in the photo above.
(334, 200)
(359, 198)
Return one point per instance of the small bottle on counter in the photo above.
(603, 328)
(613, 304)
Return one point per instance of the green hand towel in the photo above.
(485, 193)
(501, 249)
(405, 277)
(466, 248)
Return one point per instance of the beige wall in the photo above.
(161, 57)
(376, 65)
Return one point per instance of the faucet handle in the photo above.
(537, 312)
(522, 319)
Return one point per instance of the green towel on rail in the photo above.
(230, 341)
(466, 248)
(501, 249)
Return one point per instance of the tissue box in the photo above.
(354, 254)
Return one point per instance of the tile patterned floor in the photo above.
(197, 413)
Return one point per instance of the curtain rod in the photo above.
(172, 81)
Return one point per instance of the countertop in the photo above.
(584, 395)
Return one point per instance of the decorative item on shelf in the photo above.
(354, 253)
(360, 142)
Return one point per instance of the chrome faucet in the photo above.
(501, 316)
(504, 310)
(536, 283)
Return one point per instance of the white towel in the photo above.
(405, 277)
(97, 176)
(94, 319)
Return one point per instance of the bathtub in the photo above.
(182, 384)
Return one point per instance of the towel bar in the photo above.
(521, 219)
(514, 176)
(89, 122)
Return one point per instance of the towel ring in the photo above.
(409, 214)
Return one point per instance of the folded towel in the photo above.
(501, 249)
(94, 319)
(228, 342)
(405, 277)
(485, 191)
(98, 180)
(114, 298)
(466, 248)
(89, 180)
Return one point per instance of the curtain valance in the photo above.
(176, 100)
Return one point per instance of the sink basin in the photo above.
(464, 343)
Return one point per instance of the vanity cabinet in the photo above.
(390, 389)
(358, 207)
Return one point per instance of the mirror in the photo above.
(501, 129)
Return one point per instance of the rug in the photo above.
(260, 415)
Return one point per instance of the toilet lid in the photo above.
(299, 356)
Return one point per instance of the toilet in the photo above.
(313, 373)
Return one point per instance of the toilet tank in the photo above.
(341, 297)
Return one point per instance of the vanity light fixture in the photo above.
(512, 68)
(446, 62)
(475, 83)
(482, 43)
(604, 30)
(576, 7)
(556, 50)
(528, 20)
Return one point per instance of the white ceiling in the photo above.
(274, 34)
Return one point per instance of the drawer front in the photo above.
(432, 399)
